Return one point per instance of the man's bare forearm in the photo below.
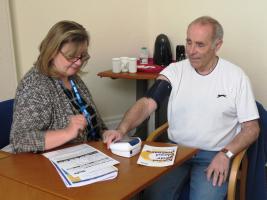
(248, 134)
(137, 114)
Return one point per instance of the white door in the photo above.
(8, 75)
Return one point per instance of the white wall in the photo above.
(117, 28)
(245, 26)
(121, 27)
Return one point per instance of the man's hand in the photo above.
(110, 136)
(218, 169)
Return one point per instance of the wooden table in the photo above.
(4, 154)
(30, 176)
(141, 88)
(127, 75)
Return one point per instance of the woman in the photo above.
(52, 104)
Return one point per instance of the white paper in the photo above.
(82, 165)
(157, 156)
(101, 175)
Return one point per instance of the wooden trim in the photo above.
(156, 133)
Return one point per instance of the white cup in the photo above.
(124, 64)
(132, 65)
(116, 65)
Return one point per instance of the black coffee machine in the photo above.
(162, 51)
(180, 52)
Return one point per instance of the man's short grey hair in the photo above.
(217, 27)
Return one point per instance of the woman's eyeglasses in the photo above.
(72, 60)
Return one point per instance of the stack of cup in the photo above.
(132, 65)
(116, 65)
(124, 64)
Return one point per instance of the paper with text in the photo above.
(82, 165)
(157, 156)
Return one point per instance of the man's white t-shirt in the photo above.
(205, 111)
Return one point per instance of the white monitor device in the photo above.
(127, 147)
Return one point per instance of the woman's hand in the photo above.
(110, 136)
(76, 125)
(55, 138)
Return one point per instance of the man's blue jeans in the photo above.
(169, 186)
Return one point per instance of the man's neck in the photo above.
(210, 67)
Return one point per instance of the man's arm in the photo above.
(248, 134)
(132, 118)
(137, 114)
(140, 111)
(219, 167)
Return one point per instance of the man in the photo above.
(211, 107)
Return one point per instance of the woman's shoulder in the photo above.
(34, 80)
(33, 75)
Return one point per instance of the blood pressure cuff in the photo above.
(159, 91)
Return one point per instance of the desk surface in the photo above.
(32, 176)
(127, 75)
(4, 154)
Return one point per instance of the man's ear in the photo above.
(218, 44)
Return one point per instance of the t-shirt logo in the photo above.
(221, 95)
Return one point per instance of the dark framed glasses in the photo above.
(83, 57)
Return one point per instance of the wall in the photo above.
(245, 26)
(121, 27)
(117, 28)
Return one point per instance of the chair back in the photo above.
(257, 158)
(6, 115)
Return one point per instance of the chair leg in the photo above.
(243, 180)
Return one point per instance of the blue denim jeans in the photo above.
(169, 186)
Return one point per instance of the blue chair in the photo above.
(6, 114)
(257, 157)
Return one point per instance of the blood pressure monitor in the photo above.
(126, 147)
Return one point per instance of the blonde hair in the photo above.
(61, 33)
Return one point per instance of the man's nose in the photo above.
(192, 49)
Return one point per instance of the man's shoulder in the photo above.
(177, 66)
(230, 68)
(230, 65)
